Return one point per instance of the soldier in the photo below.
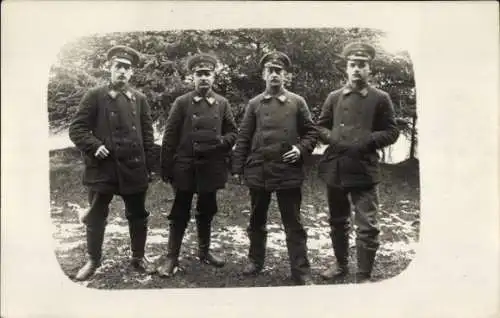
(355, 121)
(113, 130)
(199, 135)
(276, 133)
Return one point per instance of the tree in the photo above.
(162, 75)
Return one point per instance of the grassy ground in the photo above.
(399, 218)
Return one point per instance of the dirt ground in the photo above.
(399, 219)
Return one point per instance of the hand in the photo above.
(102, 152)
(292, 155)
(152, 176)
(238, 178)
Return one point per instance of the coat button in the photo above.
(214, 129)
(342, 125)
(133, 127)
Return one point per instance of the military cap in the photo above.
(202, 61)
(123, 54)
(359, 51)
(275, 59)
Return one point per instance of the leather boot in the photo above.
(171, 265)
(95, 238)
(138, 230)
(340, 244)
(256, 253)
(365, 258)
(204, 254)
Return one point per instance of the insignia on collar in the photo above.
(281, 98)
(112, 93)
(348, 90)
(130, 95)
(210, 99)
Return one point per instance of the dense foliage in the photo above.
(162, 75)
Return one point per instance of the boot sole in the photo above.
(166, 275)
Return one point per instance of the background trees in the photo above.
(162, 75)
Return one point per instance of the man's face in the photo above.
(120, 72)
(203, 79)
(274, 76)
(357, 70)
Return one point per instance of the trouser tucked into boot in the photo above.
(95, 221)
(340, 242)
(175, 236)
(95, 237)
(206, 209)
(179, 217)
(95, 224)
(289, 201)
(366, 259)
(138, 229)
(365, 201)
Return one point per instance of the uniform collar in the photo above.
(208, 97)
(281, 96)
(349, 89)
(112, 92)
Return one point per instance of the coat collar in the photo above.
(281, 96)
(112, 92)
(208, 97)
(349, 89)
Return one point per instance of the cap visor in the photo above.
(122, 60)
(274, 65)
(358, 58)
(203, 69)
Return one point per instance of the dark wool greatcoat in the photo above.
(122, 122)
(197, 142)
(365, 118)
(270, 127)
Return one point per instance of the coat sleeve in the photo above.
(147, 133)
(325, 120)
(307, 129)
(385, 131)
(171, 139)
(229, 129)
(80, 129)
(244, 139)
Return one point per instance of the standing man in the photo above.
(199, 134)
(355, 121)
(113, 130)
(276, 133)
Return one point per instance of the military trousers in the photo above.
(365, 202)
(289, 201)
(97, 215)
(206, 208)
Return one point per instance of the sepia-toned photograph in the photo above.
(233, 158)
(250, 159)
